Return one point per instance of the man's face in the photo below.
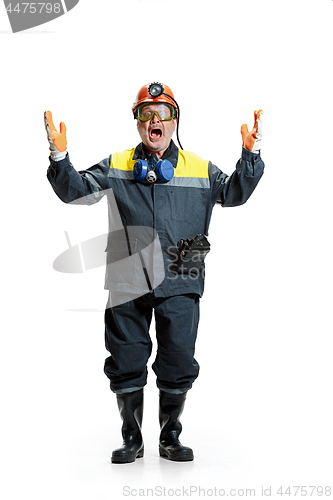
(155, 133)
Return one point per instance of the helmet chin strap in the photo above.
(178, 115)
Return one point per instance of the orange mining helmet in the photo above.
(154, 92)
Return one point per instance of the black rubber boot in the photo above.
(171, 407)
(130, 406)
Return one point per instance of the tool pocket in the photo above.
(192, 253)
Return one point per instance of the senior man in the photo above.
(173, 191)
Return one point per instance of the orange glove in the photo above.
(252, 140)
(57, 140)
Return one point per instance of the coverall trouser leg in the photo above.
(128, 341)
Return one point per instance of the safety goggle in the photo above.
(165, 112)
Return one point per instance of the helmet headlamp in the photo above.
(155, 89)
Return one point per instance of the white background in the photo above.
(260, 413)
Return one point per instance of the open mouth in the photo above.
(155, 134)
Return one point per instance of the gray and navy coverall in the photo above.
(178, 209)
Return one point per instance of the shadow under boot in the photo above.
(130, 406)
(171, 407)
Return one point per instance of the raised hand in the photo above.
(252, 140)
(57, 140)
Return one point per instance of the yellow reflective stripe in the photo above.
(191, 165)
(123, 161)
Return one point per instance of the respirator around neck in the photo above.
(153, 170)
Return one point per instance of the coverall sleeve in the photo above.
(84, 187)
(236, 189)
